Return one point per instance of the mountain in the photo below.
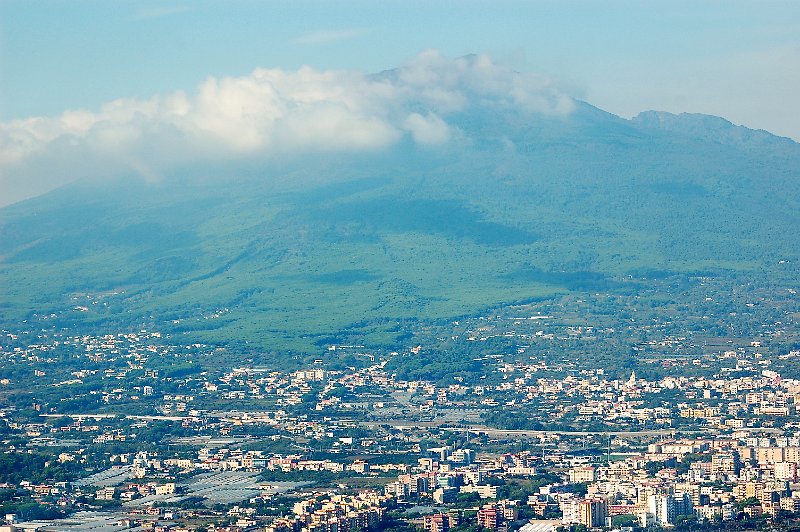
(293, 254)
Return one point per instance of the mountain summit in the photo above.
(494, 200)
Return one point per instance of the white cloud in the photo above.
(268, 113)
(427, 130)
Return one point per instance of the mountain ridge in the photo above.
(519, 207)
(708, 127)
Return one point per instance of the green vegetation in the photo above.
(361, 250)
(21, 504)
(37, 468)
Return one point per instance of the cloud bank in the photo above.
(268, 113)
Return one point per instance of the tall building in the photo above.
(489, 517)
(666, 508)
(438, 522)
(592, 512)
(727, 463)
(786, 471)
(463, 456)
(582, 474)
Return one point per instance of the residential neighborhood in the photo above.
(125, 432)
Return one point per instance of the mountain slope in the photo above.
(294, 255)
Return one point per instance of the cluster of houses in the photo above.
(334, 513)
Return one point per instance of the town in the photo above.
(135, 430)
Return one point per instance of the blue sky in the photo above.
(736, 59)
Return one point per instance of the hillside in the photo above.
(291, 255)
